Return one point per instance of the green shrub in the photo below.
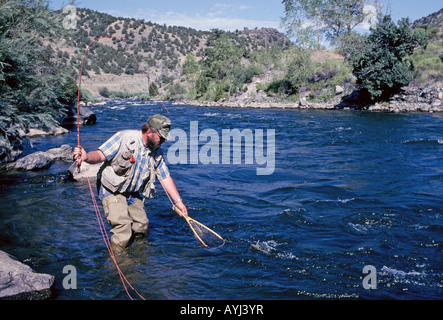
(251, 71)
(281, 87)
(384, 65)
(428, 64)
(104, 92)
(299, 68)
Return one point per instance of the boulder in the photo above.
(36, 161)
(19, 282)
(339, 90)
(11, 145)
(62, 153)
(42, 160)
(86, 116)
(11, 141)
(86, 171)
(39, 132)
(303, 102)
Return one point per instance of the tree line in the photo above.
(378, 64)
(381, 61)
(37, 81)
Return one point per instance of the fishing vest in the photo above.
(116, 174)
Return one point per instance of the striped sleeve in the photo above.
(111, 146)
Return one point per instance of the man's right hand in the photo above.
(79, 151)
(92, 157)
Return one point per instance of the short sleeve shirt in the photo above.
(142, 162)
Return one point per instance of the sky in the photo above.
(228, 15)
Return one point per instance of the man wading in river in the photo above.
(132, 160)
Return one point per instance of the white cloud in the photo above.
(229, 6)
(218, 17)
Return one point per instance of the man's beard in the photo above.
(152, 145)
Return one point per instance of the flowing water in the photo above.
(349, 189)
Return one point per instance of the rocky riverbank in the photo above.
(411, 99)
(13, 134)
(41, 160)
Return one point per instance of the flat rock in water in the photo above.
(86, 171)
(19, 282)
(36, 132)
(62, 153)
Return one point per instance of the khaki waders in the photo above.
(124, 220)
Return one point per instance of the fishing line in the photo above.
(199, 230)
(99, 217)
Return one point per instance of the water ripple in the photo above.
(349, 190)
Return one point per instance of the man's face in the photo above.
(154, 140)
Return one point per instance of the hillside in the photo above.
(40, 63)
(429, 62)
(111, 70)
(434, 20)
(160, 49)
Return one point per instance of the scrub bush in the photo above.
(383, 65)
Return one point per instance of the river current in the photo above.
(343, 190)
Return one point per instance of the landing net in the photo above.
(207, 236)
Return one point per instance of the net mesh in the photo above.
(205, 235)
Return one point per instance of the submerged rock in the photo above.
(19, 282)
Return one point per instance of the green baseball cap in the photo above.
(162, 124)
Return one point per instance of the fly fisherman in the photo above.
(132, 160)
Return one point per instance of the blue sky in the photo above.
(227, 14)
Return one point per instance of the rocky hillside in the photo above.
(434, 20)
(160, 49)
(429, 62)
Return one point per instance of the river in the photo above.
(346, 190)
